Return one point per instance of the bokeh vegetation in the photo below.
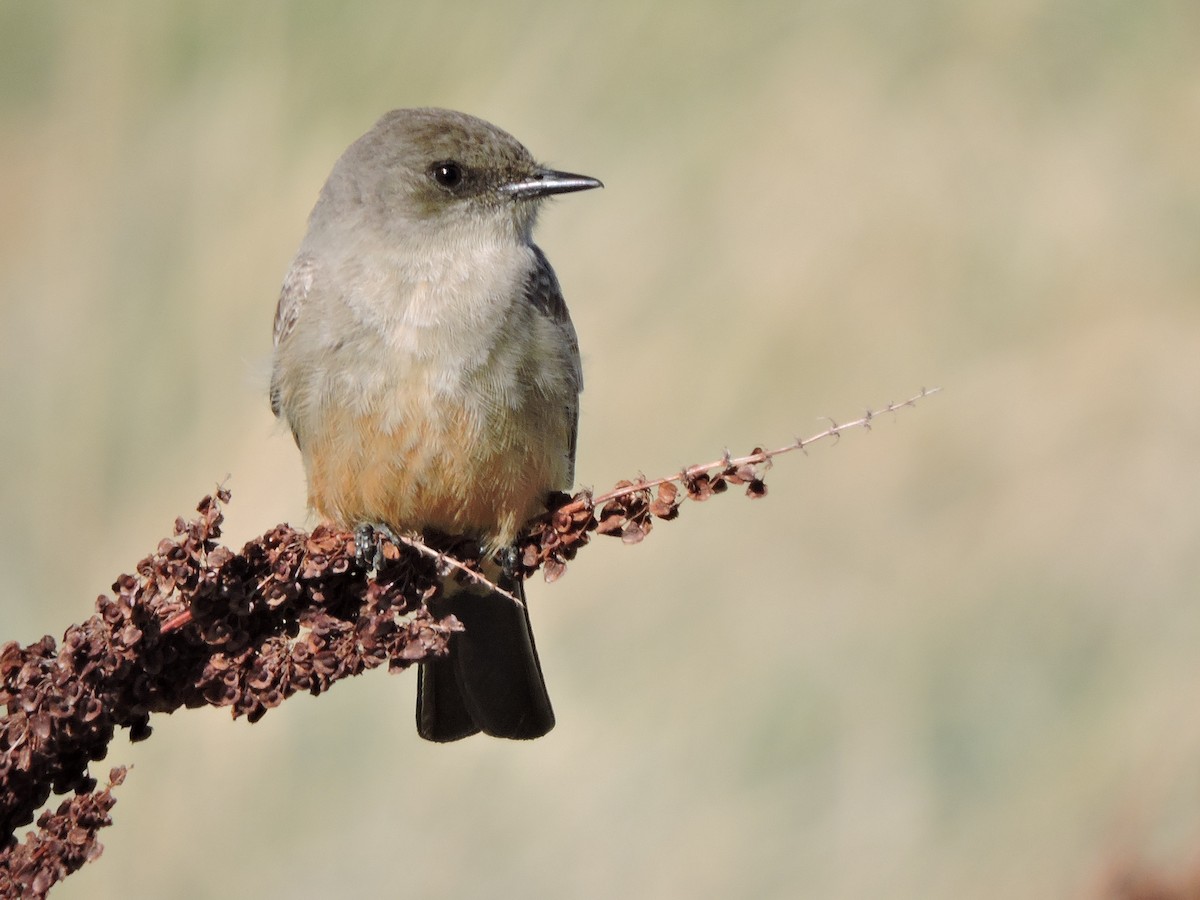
(954, 657)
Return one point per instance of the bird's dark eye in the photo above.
(448, 174)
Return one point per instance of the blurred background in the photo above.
(956, 656)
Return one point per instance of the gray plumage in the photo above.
(428, 369)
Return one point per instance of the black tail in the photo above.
(491, 681)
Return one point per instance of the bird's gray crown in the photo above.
(437, 165)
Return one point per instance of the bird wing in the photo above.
(296, 286)
(543, 292)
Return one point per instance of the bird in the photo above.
(428, 369)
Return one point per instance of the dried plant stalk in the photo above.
(292, 612)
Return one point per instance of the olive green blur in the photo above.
(956, 656)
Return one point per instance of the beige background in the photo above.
(957, 656)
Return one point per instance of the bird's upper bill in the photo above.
(547, 181)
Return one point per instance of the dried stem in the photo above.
(758, 456)
(292, 612)
(197, 625)
(447, 563)
(630, 509)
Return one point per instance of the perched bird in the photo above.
(428, 369)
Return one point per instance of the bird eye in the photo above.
(448, 174)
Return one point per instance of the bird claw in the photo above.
(507, 557)
(369, 548)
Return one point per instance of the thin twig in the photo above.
(630, 509)
(444, 559)
(751, 459)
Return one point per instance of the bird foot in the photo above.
(508, 558)
(368, 547)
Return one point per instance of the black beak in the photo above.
(545, 182)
